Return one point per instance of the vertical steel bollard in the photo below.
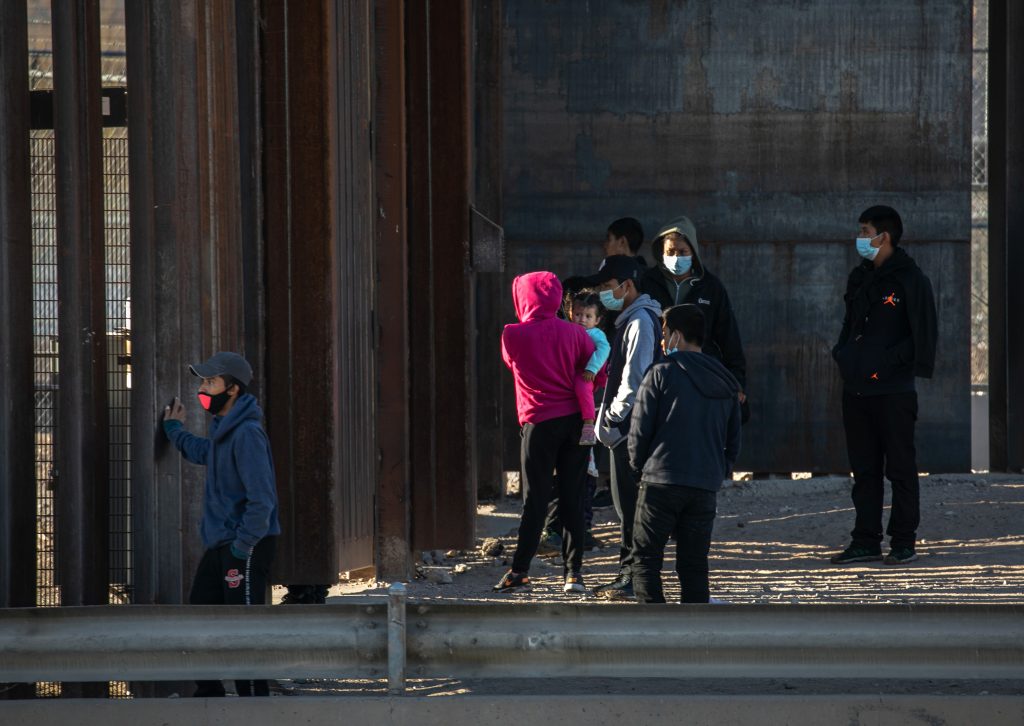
(396, 639)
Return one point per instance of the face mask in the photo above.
(609, 300)
(669, 350)
(213, 404)
(678, 265)
(865, 249)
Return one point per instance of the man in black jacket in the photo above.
(679, 276)
(888, 338)
(685, 436)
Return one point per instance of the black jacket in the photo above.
(889, 331)
(722, 334)
(686, 423)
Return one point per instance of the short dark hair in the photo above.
(687, 319)
(629, 228)
(588, 299)
(884, 219)
(230, 380)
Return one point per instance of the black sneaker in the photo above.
(590, 542)
(857, 553)
(511, 581)
(602, 499)
(900, 556)
(621, 588)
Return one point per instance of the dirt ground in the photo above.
(771, 544)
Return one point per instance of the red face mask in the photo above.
(213, 404)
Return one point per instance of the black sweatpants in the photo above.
(552, 459)
(223, 579)
(624, 492)
(688, 515)
(880, 438)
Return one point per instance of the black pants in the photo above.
(554, 524)
(552, 459)
(222, 579)
(880, 438)
(688, 514)
(624, 492)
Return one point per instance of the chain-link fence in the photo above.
(979, 199)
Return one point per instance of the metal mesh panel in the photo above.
(979, 199)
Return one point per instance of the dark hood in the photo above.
(709, 376)
(245, 409)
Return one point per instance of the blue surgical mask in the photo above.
(670, 351)
(865, 249)
(678, 265)
(609, 300)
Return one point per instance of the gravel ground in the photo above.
(771, 544)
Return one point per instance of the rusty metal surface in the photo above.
(392, 543)
(17, 495)
(82, 481)
(1006, 236)
(319, 242)
(444, 474)
(773, 154)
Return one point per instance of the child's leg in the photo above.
(585, 395)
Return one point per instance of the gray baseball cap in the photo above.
(223, 363)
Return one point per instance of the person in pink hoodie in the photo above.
(546, 356)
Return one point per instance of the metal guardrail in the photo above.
(428, 639)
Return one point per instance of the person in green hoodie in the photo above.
(678, 275)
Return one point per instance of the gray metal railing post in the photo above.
(396, 638)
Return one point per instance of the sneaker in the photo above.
(574, 583)
(602, 499)
(590, 542)
(589, 435)
(550, 543)
(856, 553)
(900, 556)
(621, 588)
(511, 581)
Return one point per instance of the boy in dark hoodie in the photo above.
(685, 437)
(888, 338)
(240, 524)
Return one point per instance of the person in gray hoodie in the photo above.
(636, 345)
(684, 438)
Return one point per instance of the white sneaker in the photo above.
(573, 583)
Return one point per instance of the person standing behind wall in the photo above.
(635, 347)
(888, 338)
(679, 276)
(240, 523)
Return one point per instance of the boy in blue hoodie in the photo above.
(684, 440)
(240, 525)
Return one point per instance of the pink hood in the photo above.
(544, 353)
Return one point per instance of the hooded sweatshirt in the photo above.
(686, 423)
(722, 334)
(635, 348)
(544, 353)
(240, 502)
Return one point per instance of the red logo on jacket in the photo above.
(234, 578)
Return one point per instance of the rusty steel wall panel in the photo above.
(319, 244)
(772, 125)
(443, 397)
(81, 493)
(392, 543)
(187, 294)
(17, 497)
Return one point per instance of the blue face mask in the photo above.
(865, 249)
(670, 351)
(609, 300)
(678, 265)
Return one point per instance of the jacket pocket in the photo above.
(863, 361)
